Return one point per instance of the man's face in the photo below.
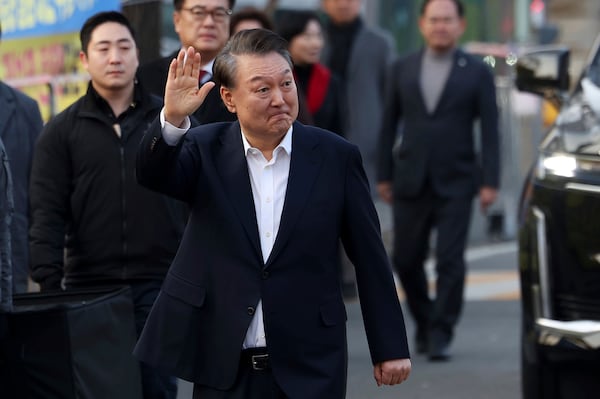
(342, 11)
(112, 57)
(441, 26)
(265, 97)
(200, 24)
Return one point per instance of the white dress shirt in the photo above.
(269, 184)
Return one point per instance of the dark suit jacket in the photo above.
(153, 76)
(200, 318)
(20, 126)
(439, 148)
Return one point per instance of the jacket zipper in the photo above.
(123, 210)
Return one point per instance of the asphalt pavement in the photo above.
(485, 351)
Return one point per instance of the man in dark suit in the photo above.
(252, 305)
(433, 173)
(204, 25)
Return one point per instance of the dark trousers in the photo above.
(414, 221)
(249, 384)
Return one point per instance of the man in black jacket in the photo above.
(87, 208)
(204, 25)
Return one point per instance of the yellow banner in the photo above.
(47, 68)
(43, 55)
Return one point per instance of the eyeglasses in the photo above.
(200, 13)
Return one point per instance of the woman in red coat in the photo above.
(317, 85)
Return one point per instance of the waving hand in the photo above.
(182, 96)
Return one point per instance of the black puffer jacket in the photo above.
(87, 207)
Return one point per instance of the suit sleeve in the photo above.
(488, 114)
(170, 170)
(35, 121)
(389, 56)
(392, 113)
(361, 237)
(36, 124)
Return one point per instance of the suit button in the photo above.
(265, 275)
(251, 310)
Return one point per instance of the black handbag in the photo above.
(70, 344)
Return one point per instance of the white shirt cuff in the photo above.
(171, 133)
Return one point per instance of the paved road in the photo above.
(485, 362)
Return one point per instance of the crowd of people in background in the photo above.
(74, 215)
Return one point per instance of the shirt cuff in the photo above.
(171, 133)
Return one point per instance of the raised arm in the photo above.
(160, 166)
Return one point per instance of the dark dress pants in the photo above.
(414, 221)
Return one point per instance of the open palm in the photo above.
(182, 95)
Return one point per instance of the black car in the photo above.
(559, 234)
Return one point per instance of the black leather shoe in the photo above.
(439, 345)
(440, 353)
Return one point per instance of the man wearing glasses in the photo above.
(204, 25)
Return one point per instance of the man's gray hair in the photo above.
(247, 42)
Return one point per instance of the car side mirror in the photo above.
(544, 72)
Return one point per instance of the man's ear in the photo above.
(227, 98)
(83, 59)
(176, 19)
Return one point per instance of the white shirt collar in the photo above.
(286, 142)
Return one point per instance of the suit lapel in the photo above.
(414, 78)
(233, 169)
(305, 163)
(453, 83)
